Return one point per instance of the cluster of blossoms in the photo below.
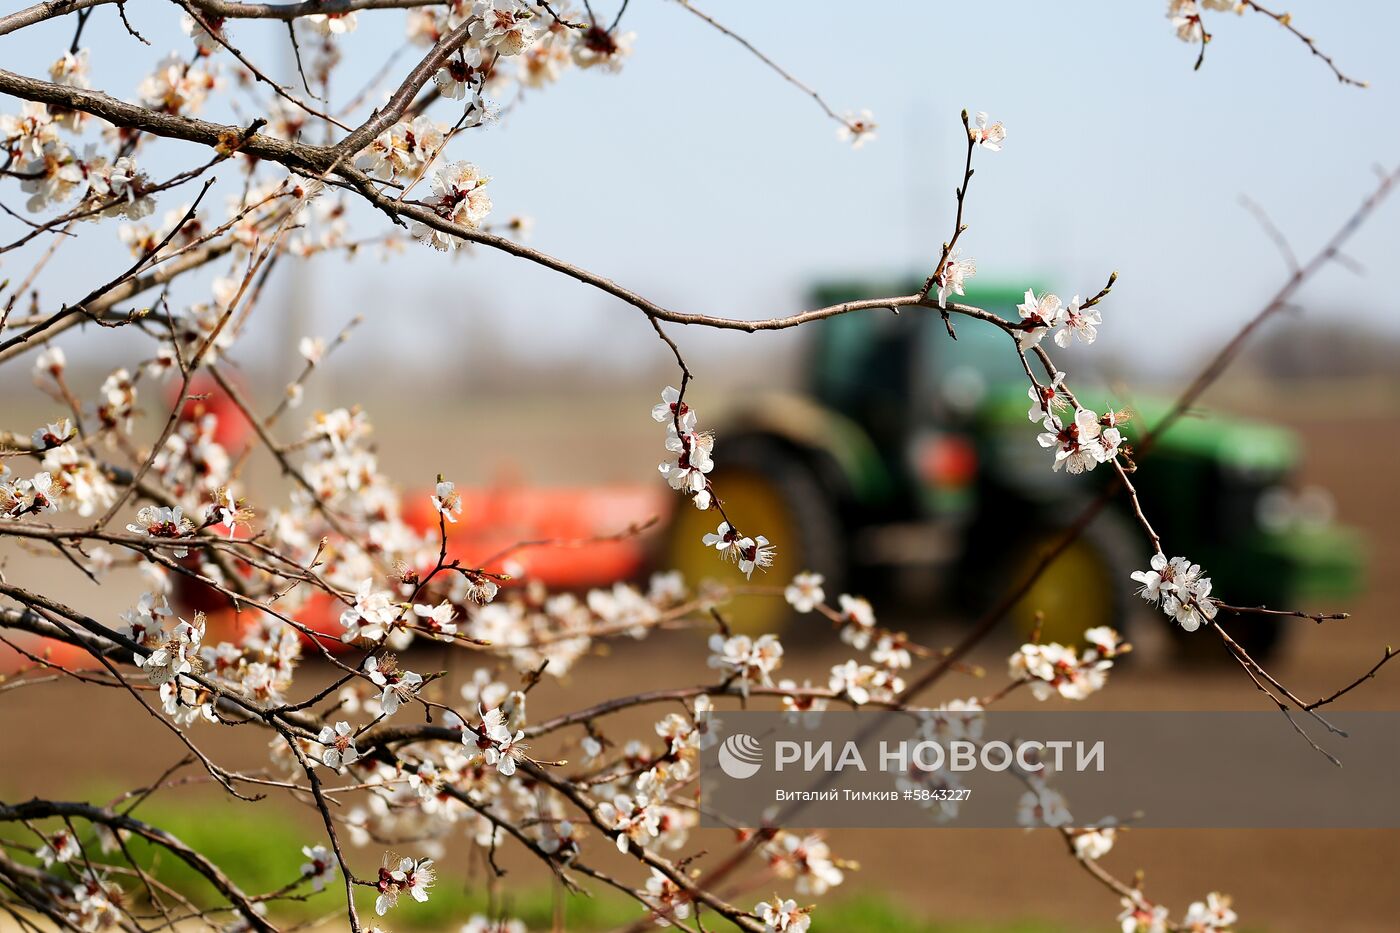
(636, 810)
(179, 85)
(340, 465)
(1093, 843)
(806, 861)
(497, 29)
(667, 899)
(427, 793)
(171, 654)
(259, 666)
(98, 902)
(70, 478)
(61, 847)
(1042, 805)
(748, 553)
(865, 683)
(396, 685)
(77, 482)
(528, 624)
(20, 496)
(1041, 315)
(543, 46)
(688, 473)
(1053, 668)
(430, 796)
(169, 657)
(413, 877)
(459, 198)
(495, 741)
(746, 661)
(783, 916)
(1213, 915)
(1180, 589)
(116, 401)
(193, 465)
(52, 171)
(891, 652)
(1083, 442)
(404, 150)
(160, 522)
(956, 720)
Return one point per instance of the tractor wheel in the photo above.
(1088, 585)
(767, 490)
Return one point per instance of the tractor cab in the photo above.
(917, 394)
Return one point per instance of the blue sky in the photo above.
(699, 178)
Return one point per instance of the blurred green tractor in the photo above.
(912, 452)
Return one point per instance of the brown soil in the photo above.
(1281, 880)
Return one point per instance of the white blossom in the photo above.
(745, 659)
(805, 592)
(1042, 806)
(339, 742)
(951, 277)
(857, 128)
(333, 24)
(371, 616)
(857, 620)
(1185, 17)
(1093, 844)
(1140, 916)
(1078, 322)
(755, 553)
(1083, 443)
(61, 847)
(667, 899)
(319, 866)
(988, 136)
(1038, 316)
(694, 459)
(504, 26)
(783, 916)
(398, 686)
(1213, 914)
(447, 501)
(725, 540)
(160, 522)
(671, 407)
(1048, 399)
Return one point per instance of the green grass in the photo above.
(260, 850)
